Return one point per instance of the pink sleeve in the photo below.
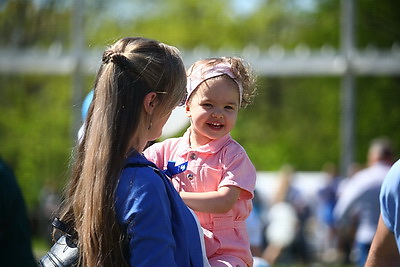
(240, 172)
(154, 153)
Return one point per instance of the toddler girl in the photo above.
(220, 178)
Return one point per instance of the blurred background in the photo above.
(328, 81)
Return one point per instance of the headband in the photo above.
(202, 72)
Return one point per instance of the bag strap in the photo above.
(133, 165)
(171, 170)
(65, 228)
(151, 166)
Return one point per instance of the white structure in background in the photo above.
(177, 122)
(308, 183)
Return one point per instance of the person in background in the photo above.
(15, 229)
(288, 217)
(385, 247)
(255, 227)
(347, 232)
(327, 198)
(126, 212)
(220, 178)
(359, 199)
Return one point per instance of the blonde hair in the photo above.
(131, 68)
(240, 69)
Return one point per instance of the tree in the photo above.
(293, 120)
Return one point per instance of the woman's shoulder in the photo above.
(140, 190)
(138, 182)
(139, 172)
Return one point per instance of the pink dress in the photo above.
(219, 163)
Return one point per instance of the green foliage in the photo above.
(321, 27)
(297, 120)
(378, 23)
(24, 24)
(35, 130)
(214, 24)
(293, 120)
(377, 112)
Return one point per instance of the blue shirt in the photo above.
(390, 201)
(160, 228)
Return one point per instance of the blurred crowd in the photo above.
(335, 226)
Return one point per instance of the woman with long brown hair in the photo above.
(125, 211)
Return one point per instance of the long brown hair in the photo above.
(131, 68)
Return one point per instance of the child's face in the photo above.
(213, 110)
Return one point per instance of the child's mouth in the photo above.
(215, 125)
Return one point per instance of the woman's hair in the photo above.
(130, 69)
(238, 67)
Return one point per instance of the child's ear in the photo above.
(187, 110)
(149, 102)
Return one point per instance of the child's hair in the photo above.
(233, 67)
(130, 69)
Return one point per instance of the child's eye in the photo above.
(229, 107)
(207, 105)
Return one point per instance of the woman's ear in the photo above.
(149, 102)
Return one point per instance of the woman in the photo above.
(125, 211)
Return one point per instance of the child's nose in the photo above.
(217, 113)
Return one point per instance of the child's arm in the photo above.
(220, 201)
